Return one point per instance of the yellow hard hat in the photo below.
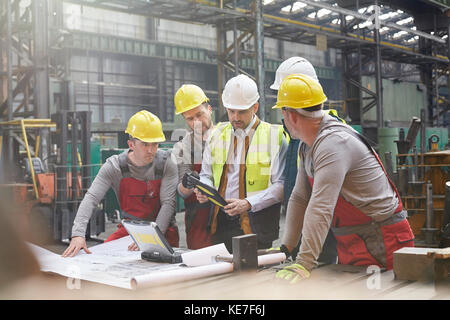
(299, 91)
(188, 97)
(146, 127)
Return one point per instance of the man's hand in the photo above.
(293, 273)
(200, 196)
(237, 206)
(75, 245)
(133, 247)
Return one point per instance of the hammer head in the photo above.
(245, 256)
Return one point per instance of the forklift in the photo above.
(51, 194)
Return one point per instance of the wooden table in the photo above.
(326, 282)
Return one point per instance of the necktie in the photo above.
(244, 220)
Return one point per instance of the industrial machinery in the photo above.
(422, 178)
(50, 194)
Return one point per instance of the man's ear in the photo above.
(256, 107)
(130, 144)
(293, 116)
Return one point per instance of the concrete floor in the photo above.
(110, 227)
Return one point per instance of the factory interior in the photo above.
(73, 72)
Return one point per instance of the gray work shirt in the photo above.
(109, 176)
(341, 165)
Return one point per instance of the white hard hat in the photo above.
(291, 66)
(240, 93)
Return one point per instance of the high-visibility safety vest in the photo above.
(264, 146)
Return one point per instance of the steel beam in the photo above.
(367, 18)
(378, 79)
(41, 78)
(259, 48)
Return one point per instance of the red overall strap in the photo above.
(141, 199)
(196, 220)
(364, 140)
(400, 204)
(372, 244)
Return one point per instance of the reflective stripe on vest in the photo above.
(260, 155)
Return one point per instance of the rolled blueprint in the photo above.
(179, 275)
(191, 273)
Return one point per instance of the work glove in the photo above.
(293, 273)
(188, 183)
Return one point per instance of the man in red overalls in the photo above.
(192, 103)
(144, 179)
(341, 183)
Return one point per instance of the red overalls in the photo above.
(196, 220)
(141, 199)
(360, 240)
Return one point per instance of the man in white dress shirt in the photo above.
(245, 159)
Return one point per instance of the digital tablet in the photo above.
(211, 193)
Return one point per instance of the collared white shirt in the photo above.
(263, 199)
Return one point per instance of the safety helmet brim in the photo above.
(299, 91)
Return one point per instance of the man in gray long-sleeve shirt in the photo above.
(193, 104)
(341, 183)
(144, 180)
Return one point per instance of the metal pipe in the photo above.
(422, 143)
(74, 155)
(361, 113)
(430, 213)
(40, 60)
(363, 17)
(436, 91)
(416, 166)
(30, 161)
(448, 54)
(379, 81)
(236, 44)
(429, 231)
(389, 164)
(220, 34)
(259, 46)
(9, 156)
(447, 204)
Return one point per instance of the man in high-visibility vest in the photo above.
(341, 183)
(192, 103)
(244, 159)
(144, 179)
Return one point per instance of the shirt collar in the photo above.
(247, 130)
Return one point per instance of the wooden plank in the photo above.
(439, 253)
(417, 290)
(414, 264)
